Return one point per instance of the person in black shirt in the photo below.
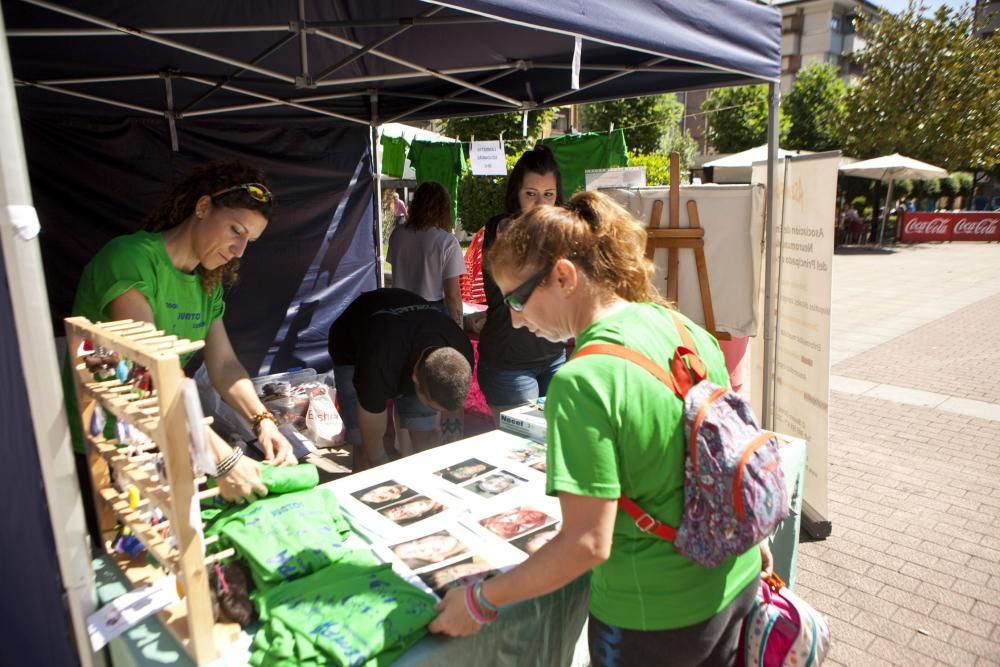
(515, 365)
(391, 344)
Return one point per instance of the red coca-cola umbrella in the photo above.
(892, 168)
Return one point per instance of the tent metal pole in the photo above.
(415, 75)
(618, 68)
(372, 45)
(98, 79)
(33, 324)
(265, 105)
(417, 109)
(773, 106)
(135, 32)
(171, 116)
(603, 79)
(438, 74)
(435, 98)
(885, 211)
(92, 98)
(305, 79)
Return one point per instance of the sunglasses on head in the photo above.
(519, 296)
(257, 192)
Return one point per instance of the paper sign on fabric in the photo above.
(487, 158)
(130, 609)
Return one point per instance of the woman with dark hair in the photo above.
(579, 271)
(515, 366)
(425, 256)
(173, 275)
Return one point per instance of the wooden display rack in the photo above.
(674, 238)
(162, 417)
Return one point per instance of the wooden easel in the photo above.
(162, 417)
(674, 238)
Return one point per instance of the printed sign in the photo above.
(487, 158)
(961, 226)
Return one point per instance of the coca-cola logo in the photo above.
(934, 226)
(982, 227)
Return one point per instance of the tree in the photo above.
(815, 108)
(930, 90)
(506, 124)
(646, 119)
(738, 118)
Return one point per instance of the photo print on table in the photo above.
(494, 484)
(429, 549)
(383, 494)
(457, 574)
(528, 454)
(412, 510)
(532, 542)
(464, 471)
(540, 466)
(517, 521)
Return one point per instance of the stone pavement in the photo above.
(911, 573)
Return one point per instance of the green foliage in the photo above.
(966, 186)
(646, 119)
(482, 197)
(507, 124)
(860, 202)
(903, 188)
(738, 118)
(658, 164)
(930, 90)
(815, 108)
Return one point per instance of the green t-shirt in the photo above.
(393, 155)
(140, 261)
(283, 536)
(612, 429)
(576, 153)
(440, 161)
(351, 613)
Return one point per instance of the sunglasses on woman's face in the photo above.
(257, 192)
(519, 296)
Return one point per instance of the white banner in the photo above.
(616, 177)
(487, 158)
(803, 255)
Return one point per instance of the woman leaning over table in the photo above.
(579, 271)
(172, 275)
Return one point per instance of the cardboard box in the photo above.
(527, 420)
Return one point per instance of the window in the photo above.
(835, 23)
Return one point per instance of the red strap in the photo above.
(628, 354)
(645, 522)
(687, 350)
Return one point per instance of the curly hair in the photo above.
(600, 237)
(431, 207)
(208, 179)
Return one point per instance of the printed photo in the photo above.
(383, 494)
(411, 511)
(540, 466)
(464, 471)
(532, 542)
(494, 484)
(527, 454)
(517, 521)
(429, 549)
(462, 573)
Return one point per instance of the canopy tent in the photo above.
(891, 168)
(117, 98)
(736, 167)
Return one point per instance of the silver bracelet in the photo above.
(228, 463)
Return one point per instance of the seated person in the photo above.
(390, 344)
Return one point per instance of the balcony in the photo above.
(853, 43)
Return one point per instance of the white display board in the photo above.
(803, 261)
(733, 219)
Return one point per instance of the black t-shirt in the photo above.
(501, 345)
(382, 334)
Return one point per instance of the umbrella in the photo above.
(892, 168)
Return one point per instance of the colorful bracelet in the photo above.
(470, 605)
(258, 418)
(477, 590)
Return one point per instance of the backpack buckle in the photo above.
(646, 523)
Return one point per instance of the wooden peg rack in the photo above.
(177, 546)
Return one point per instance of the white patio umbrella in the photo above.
(892, 168)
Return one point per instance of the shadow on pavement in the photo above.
(864, 250)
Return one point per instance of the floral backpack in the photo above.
(734, 488)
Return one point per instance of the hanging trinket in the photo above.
(123, 432)
(122, 371)
(98, 421)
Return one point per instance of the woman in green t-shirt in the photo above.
(172, 276)
(579, 271)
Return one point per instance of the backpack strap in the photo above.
(645, 522)
(687, 350)
(679, 386)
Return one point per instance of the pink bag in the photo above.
(782, 630)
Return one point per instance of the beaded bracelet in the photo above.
(258, 418)
(470, 606)
(227, 464)
(477, 590)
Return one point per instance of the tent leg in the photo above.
(773, 105)
(885, 211)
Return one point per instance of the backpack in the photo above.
(734, 488)
(782, 630)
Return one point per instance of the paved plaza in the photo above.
(911, 573)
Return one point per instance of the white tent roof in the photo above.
(748, 157)
(894, 167)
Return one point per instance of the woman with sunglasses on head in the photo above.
(515, 366)
(613, 429)
(173, 275)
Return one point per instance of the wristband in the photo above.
(470, 606)
(258, 418)
(477, 590)
(227, 464)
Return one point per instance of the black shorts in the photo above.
(712, 643)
